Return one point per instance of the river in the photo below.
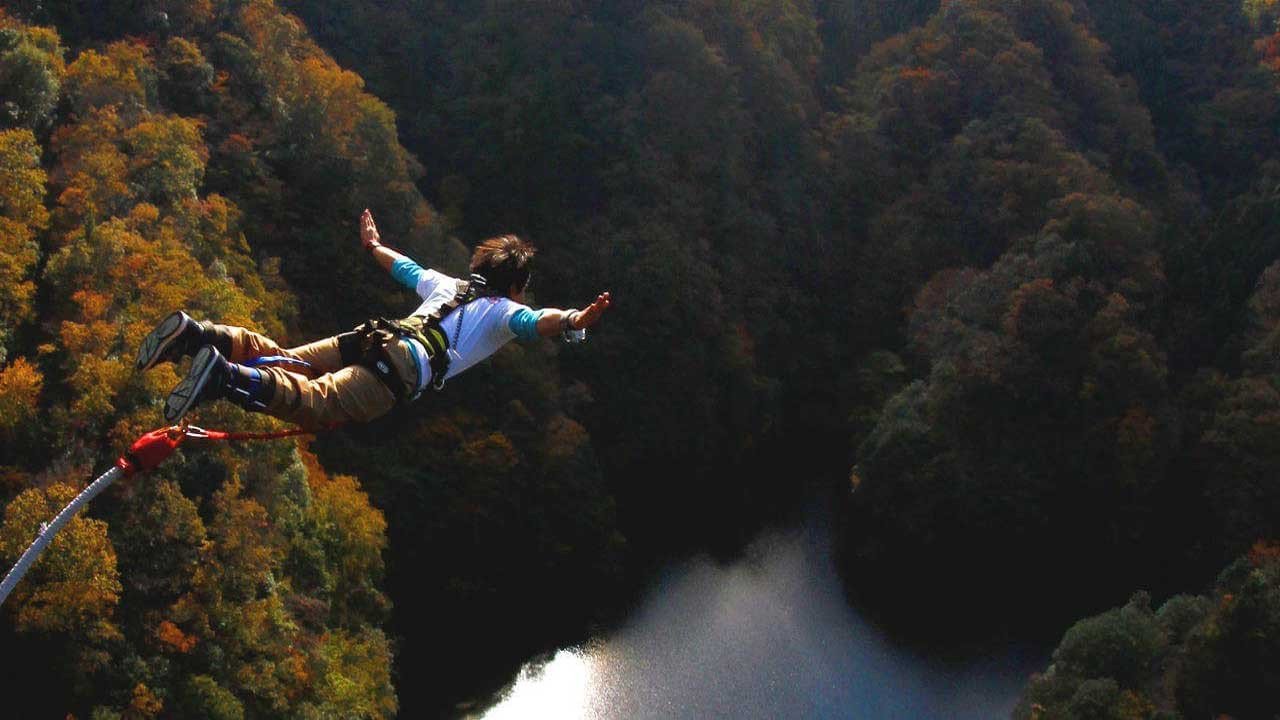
(768, 636)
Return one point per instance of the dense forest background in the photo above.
(1014, 262)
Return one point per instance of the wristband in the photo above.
(372, 245)
(568, 332)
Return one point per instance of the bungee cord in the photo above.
(49, 529)
(146, 453)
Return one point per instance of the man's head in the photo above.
(504, 263)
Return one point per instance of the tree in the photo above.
(187, 78)
(851, 27)
(166, 158)
(353, 675)
(20, 385)
(1197, 656)
(1234, 455)
(351, 536)
(122, 76)
(22, 218)
(160, 538)
(74, 588)
(204, 697)
(31, 69)
(1121, 644)
(90, 171)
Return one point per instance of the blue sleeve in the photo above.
(407, 272)
(524, 323)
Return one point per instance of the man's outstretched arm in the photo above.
(554, 321)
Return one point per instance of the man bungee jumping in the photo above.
(360, 375)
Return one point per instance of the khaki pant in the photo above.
(329, 393)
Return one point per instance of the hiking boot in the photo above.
(211, 377)
(177, 336)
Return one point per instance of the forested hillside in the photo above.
(234, 581)
(1002, 274)
(209, 156)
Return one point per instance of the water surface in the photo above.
(768, 636)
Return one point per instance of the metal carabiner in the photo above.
(192, 431)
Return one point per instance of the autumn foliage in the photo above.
(230, 584)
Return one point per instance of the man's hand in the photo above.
(554, 321)
(591, 314)
(383, 255)
(368, 231)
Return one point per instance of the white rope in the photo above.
(47, 531)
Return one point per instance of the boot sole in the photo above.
(159, 340)
(187, 393)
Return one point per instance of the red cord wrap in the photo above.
(148, 451)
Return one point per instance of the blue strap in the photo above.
(274, 360)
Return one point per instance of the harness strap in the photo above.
(375, 336)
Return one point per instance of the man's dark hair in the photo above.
(504, 262)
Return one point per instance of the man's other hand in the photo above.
(368, 231)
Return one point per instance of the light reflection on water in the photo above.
(770, 636)
(561, 688)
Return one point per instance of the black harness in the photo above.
(368, 344)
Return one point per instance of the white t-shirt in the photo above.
(486, 325)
